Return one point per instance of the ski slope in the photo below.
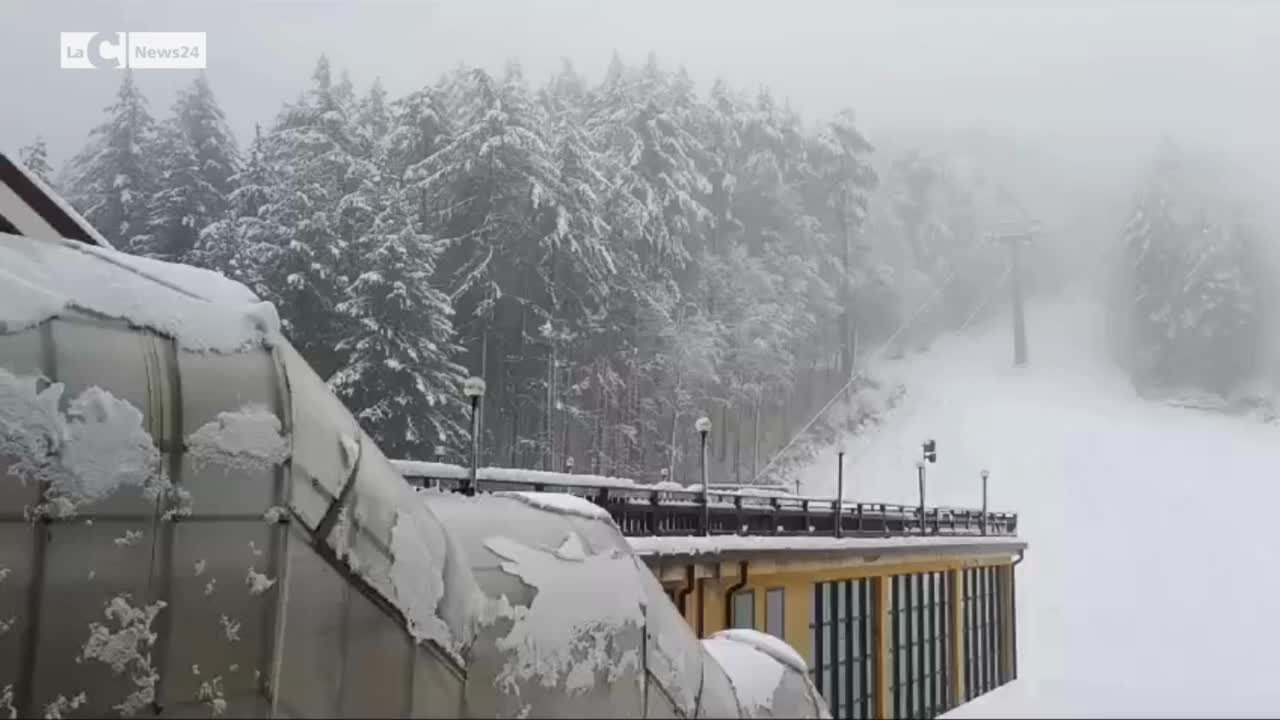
(1151, 586)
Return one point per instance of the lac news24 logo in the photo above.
(136, 50)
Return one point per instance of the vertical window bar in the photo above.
(904, 664)
(1013, 622)
(970, 646)
(998, 625)
(868, 675)
(818, 614)
(945, 632)
(986, 630)
(934, 659)
(851, 617)
(982, 630)
(907, 632)
(993, 629)
(912, 635)
(838, 692)
(992, 648)
(895, 687)
(918, 580)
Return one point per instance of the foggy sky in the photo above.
(1099, 75)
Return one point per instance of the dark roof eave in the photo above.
(974, 549)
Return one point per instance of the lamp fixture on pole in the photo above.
(473, 388)
(703, 426)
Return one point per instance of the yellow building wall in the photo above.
(708, 604)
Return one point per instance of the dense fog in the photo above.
(627, 216)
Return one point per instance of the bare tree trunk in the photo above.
(548, 454)
(755, 446)
(737, 446)
(722, 451)
(484, 373)
(598, 443)
(671, 460)
(566, 451)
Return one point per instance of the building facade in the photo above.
(891, 628)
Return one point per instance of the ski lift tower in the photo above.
(1015, 235)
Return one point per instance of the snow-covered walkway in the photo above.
(1151, 586)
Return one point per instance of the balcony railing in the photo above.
(672, 509)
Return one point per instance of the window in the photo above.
(935, 650)
(774, 612)
(984, 614)
(840, 634)
(919, 645)
(744, 609)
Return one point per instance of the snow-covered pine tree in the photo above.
(399, 377)
(318, 213)
(1197, 307)
(490, 187)
(35, 157)
(372, 119)
(1223, 316)
(113, 178)
(843, 179)
(499, 202)
(183, 204)
(196, 160)
(244, 244)
(1158, 254)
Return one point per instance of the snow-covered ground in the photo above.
(1150, 586)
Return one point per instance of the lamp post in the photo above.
(839, 492)
(929, 453)
(920, 473)
(703, 426)
(473, 388)
(985, 475)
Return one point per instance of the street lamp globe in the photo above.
(703, 424)
(473, 387)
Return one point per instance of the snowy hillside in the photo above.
(1150, 586)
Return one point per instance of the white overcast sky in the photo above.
(1087, 72)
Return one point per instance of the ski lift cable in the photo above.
(859, 374)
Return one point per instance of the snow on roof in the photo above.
(85, 454)
(207, 284)
(561, 503)
(566, 636)
(418, 549)
(519, 475)
(247, 438)
(696, 545)
(40, 279)
(755, 675)
(774, 647)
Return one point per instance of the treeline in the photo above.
(1195, 290)
(614, 259)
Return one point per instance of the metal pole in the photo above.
(984, 501)
(920, 470)
(706, 498)
(839, 493)
(475, 444)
